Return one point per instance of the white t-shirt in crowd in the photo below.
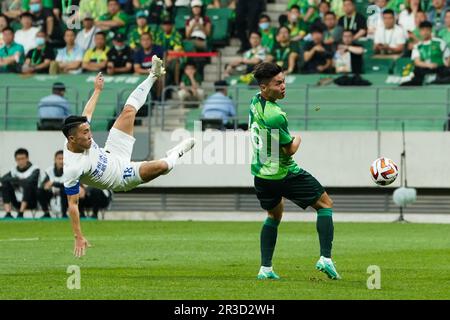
(27, 38)
(406, 20)
(391, 37)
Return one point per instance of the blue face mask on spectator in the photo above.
(40, 41)
(35, 7)
(264, 25)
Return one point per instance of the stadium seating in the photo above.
(220, 19)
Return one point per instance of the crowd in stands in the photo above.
(26, 187)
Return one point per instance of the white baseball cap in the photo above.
(196, 3)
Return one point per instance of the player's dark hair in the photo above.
(21, 151)
(71, 123)
(59, 152)
(265, 71)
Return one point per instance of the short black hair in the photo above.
(21, 151)
(102, 33)
(389, 11)
(8, 29)
(59, 152)
(70, 30)
(425, 25)
(26, 15)
(265, 16)
(316, 28)
(330, 13)
(71, 123)
(294, 7)
(265, 71)
(284, 27)
(220, 85)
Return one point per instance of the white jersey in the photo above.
(102, 168)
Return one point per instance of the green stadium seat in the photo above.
(220, 19)
(188, 46)
(181, 16)
(384, 66)
(401, 64)
(361, 7)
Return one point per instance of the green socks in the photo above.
(269, 234)
(325, 229)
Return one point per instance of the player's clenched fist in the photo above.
(99, 82)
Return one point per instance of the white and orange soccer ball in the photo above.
(384, 171)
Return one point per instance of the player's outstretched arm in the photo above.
(81, 244)
(89, 108)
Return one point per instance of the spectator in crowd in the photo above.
(268, 33)
(389, 39)
(190, 86)
(90, 8)
(85, 38)
(52, 185)
(55, 106)
(95, 199)
(414, 37)
(407, 16)
(349, 55)
(332, 34)
(219, 105)
(296, 24)
(114, 20)
(317, 56)
(250, 58)
(353, 21)
(198, 28)
(22, 178)
(141, 27)
(436, 14)
(308, 10)
(27, 35)
(143, 56)
(285, 52)
(70, 58)
(38, 60)
(444, 33)
(95, 60)
(11, 54)
(4, 23)
(120, 57)
(430, 56)
(247, 15)
(168, 37)
(158, 9)
(375, 18)
(324, 8)
(337, 6)
(44, 19)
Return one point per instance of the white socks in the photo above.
(171, 160)
(266, 269)
(138, 97)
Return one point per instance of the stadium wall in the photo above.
(337, 159)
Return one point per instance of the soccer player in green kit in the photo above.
(278, 176)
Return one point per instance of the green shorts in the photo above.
(302, 189)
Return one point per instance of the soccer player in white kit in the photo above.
(110, 167)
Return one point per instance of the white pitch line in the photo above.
(20, 239)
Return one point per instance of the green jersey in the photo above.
(434, 51)
(269, 132)
(444, 34)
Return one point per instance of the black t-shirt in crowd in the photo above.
(120, 58)
(319, 58)
(38, 56)
(356, 61)
(353, 23)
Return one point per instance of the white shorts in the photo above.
(119, 147)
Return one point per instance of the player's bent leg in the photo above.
(325, 229)
(125, 121)
(150, 170)
(268, 239)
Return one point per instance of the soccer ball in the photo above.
(384, 171)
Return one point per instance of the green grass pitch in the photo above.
(220, 260)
